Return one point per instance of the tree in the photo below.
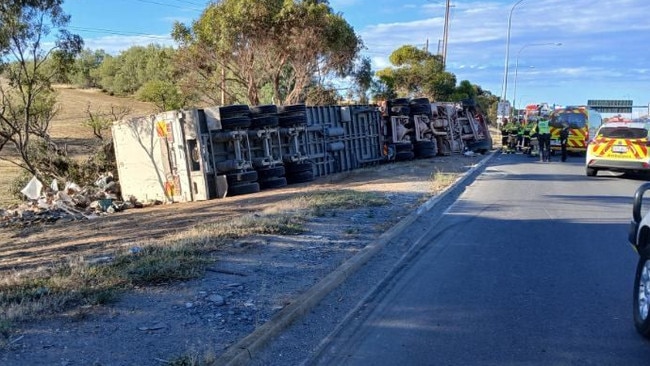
(383, 86)
(249, 44)
(418, 73)
(164, 94)
(363, 79)
(85, 73)
(319, 94)
(27, 100)
(126, 73)
(465, 90)
(100, 121)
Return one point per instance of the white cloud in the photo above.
(116, 44)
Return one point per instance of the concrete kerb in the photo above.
(243, 351)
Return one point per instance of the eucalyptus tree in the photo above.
(237, 48)
(32, 32)
(416, 72)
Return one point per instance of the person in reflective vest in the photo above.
(520, 135)
(564, 139)
(544, 139)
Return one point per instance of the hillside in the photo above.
(67, 127)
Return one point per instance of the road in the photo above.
(529, 265)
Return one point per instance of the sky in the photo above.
(562, 52)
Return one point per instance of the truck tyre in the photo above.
(233, 123)
(265, 121)
(227, 166)
(265, 109)
(271, 172)
(235, 110)
(275, 182)
(242, 177)
(405, 155)
(293, 168)
(641, 301)
(300, 177)
(243, 189)
(591, 172)
(290, 120)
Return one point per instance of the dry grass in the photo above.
(26, 296)
(73, 103)
(68, 128)
(441, 180)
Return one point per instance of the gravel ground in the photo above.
(253, 280)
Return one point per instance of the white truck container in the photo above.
(164, 157)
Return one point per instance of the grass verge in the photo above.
(28, 296)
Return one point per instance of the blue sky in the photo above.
(604, 51)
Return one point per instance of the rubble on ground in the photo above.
(47, 205)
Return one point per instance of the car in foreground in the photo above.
(619, 147)
(639, 237)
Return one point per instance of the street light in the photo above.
(514, 97)
(505, 72)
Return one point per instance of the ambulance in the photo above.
(582, 122)
(619, 147)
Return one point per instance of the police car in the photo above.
(619, 147)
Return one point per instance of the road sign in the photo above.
(503, 109)
(611, 106)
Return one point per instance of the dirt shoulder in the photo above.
(251, 279)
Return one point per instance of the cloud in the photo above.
(115, 44)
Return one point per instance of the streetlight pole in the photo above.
(514, 97)
(505, 72)
(445, 35)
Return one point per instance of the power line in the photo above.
(191, 3)
(169, 5)
(119, 33)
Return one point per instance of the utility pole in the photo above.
(445, 35)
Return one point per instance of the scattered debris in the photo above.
(48, 204)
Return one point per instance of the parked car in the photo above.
(620, 147)
(639, 237)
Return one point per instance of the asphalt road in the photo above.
(529, 266)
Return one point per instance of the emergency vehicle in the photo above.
(583, 123)
(620, 147)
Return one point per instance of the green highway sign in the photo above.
(611, 106)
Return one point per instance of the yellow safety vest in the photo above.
(543, 127)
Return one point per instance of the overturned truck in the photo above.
(417, 128)
(202, 154)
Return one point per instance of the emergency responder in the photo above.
(528, 134)
(534, 142)
(564, 139)
(510, 133)
(504, 133)
(544, 139)
(520, 135)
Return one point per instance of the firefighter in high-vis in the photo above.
(528, 135)
(520, 135)
(510, 137)
(534, 142)
(504, 134)
(544, 139)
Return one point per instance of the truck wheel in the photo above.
(245, 188)
(642, 296)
